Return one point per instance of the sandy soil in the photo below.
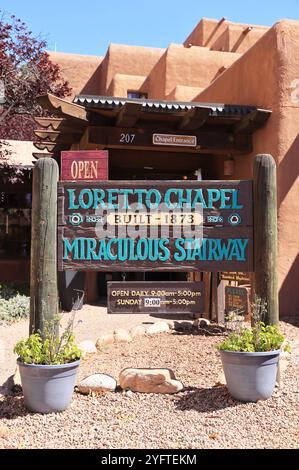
(90, 323)
(203, 415)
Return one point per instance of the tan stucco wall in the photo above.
(127, 60)
(184, 93)
(181, 66)
(164, 70)
(263, 76)
(79, 70)
(266, 74)
(121, 83)
(224, 35)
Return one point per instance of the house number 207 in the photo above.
(127, 138)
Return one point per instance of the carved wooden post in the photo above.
(265, 235)
(43, 283)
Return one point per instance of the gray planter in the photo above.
(250, 376)
(47, 388)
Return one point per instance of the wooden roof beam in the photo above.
(217, 141)
(62, 108)
(57, 136)
(194, 118)
(60, 124)
(252, 121)
(128, 115)
(48, 146)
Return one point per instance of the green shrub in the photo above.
(49, 349)
(14, 308)
(260, 338)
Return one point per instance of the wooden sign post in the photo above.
(87, 209)
(43, 276)
(265, 235)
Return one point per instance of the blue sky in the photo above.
(87, 27)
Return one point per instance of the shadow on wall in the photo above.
(239, 41)
(92, 86)
(287, 292)
(288, 170)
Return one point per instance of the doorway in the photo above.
(147, 165)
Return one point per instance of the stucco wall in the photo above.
(224, 35)
(121, 84)
(181, 66)
(264, 76)
(79, 70)
(183, 93)
(127, 60)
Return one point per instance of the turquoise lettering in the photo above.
(70, 248)
(72, 204)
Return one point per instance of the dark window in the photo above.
(136, 94)
(15, 222)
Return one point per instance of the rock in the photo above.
(87, 346)
(204, 322)
(104, 340)
(149, 381)
(97, 383)
(158, 327)
(122, 336)
(201, 323)
(137, 331)
(183, 325)
(171, 324)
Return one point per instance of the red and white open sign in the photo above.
(84, 165)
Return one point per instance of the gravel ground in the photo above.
(91, 322)
(201, 416)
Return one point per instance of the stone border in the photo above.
(121, 335)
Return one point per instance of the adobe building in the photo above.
(234, 86)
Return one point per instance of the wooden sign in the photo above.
(84, 165)
(155, 297)
(239, 277)
(155, 225)
(236, 300)
(175, 140)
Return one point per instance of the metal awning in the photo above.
(105, 114)
(108, 102)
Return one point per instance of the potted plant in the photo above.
(48, 367)
(250, 359)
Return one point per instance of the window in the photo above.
(136, 94)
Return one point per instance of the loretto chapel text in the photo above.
(169, 223)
